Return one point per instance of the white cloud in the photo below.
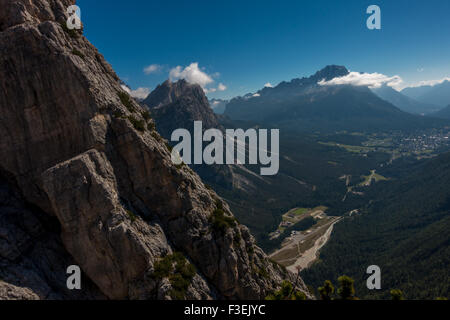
(139, 93)
(192, 74)
(125, 88)
(268, 85)
(152, 68)
(256, 95)
(371, 80)
(209, 90)
(221, 87)
(429, 82)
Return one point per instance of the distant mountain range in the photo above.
(438, 94)
(303, 104)
(404, 102)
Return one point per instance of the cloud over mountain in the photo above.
(139, 93)
(371, 80)
(193, 74)
(431, 83)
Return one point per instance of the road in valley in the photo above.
(312, 253)
(293, 257)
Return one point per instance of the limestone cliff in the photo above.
(86, 180)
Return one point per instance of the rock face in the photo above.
(32, 256)
(85, 180)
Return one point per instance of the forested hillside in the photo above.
(404, 229)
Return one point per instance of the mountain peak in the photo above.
(169, 91)
(330, 72)
(297, 85)
(178, 105)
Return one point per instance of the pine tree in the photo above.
(396, 294)
(327, 290)
(346, 289)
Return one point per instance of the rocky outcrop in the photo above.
(178, 105)
(98, 178)
(32, 256)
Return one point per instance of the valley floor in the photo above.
(301, 248)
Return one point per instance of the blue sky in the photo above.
(245, 44)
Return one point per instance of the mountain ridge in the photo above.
(305, 105)
(404, 102)
(438, 94)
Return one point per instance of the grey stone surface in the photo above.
(113, 202)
